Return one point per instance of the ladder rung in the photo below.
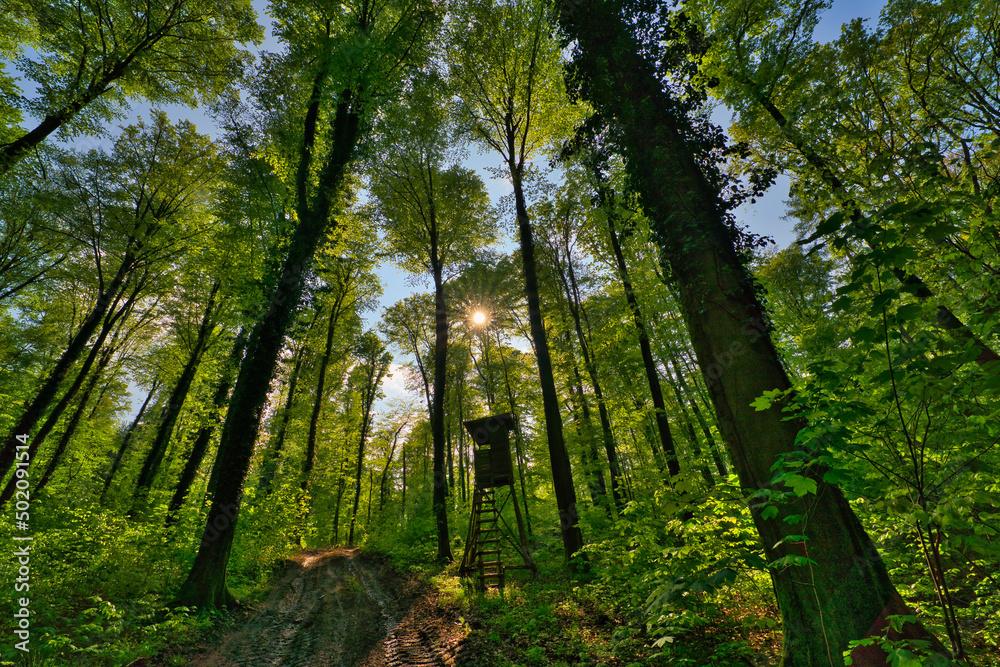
(489, 551)
(491, 539)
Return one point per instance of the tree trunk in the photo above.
(365, 421)
(437, 409)
(572, 293)
(371, 489)
(204, 437)
(402, 504)
(317, 410)
(269, 460)
(340, 500)
(463, 487)
(125, 440)
(53, 417)
(484, 375)
(585, 431)
(518, 436)
(380, 361)
(652, 375)
(173, 408)
(205, 585)
(562, 475)
(451, 461)
(100, 397)
(74, 421)
(681, 390)
(34, 410)
(842, 590)
(385, 470)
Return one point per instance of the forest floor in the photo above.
(340, 607)
(336, 607)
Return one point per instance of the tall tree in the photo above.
(126, 438)
(172, 409)
(434, 216)
(363, 47)
(374, 364)
(269, 460)
(560, 239)
(841, 590)
(505, 69)
(928, 61)
(607, 201)
(31, 242)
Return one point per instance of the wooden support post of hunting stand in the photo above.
(494, 488)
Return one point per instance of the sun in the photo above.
(479, 318)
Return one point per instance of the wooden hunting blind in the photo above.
(494, 488)
(492, 450)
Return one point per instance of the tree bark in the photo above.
(204, 437)
(842, 591)
(437, 407)
(562, 475)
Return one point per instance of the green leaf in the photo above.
(801, 485)
(842, 304)
(831, 224)
(769, 512)
(882, 300)
(835, 476)
(910, 311)
(895, 210)
(724, 576)
(864, 335)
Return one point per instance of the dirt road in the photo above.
(339, 608)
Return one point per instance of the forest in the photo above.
(436, 332)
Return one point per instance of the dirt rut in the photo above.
(339, 608)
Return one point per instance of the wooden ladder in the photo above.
(487, 539)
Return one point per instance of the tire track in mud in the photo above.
(339, 608)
